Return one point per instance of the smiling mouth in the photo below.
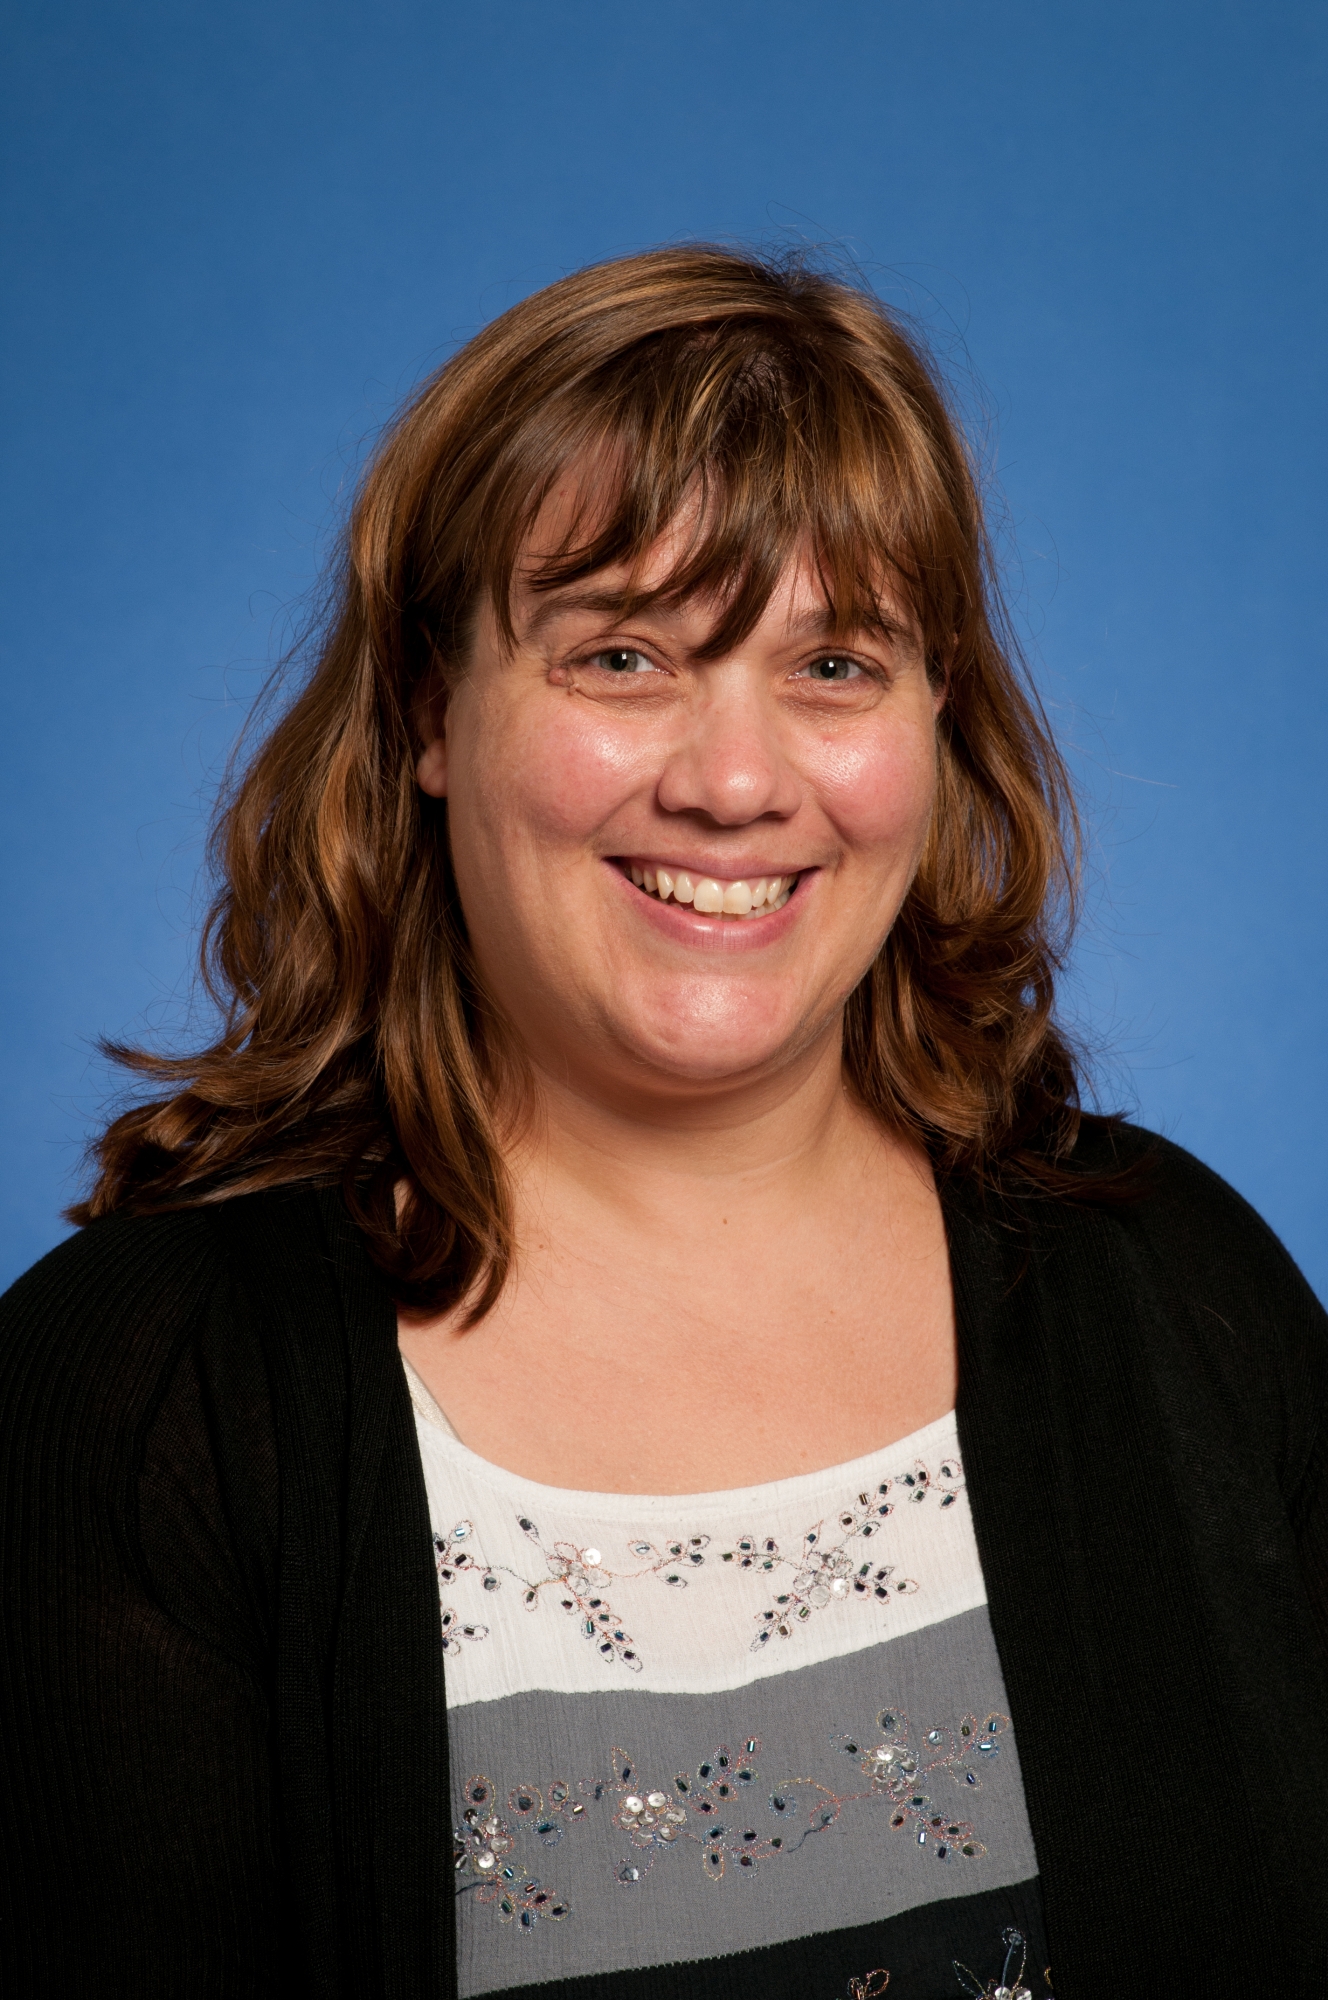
(746, 896)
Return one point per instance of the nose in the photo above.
(729, 765)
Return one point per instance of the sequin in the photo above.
(1009, 1983)
(481, 1850)
(454, 1630)
(482, 1840)
(450, 1563)
(737, 1821)
(524, 1901)
(823, 1571)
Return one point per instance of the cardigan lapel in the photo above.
(1096, 1607)
(390, 1709)
(360, 1715)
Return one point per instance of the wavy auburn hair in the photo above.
(785, 409)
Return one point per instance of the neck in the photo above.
(660, 1160)
(752, 1282)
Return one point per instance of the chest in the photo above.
(700, 1725)
(742, 1361)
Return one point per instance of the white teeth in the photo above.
(775, 900)
(749, 898)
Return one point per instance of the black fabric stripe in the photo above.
(917, 1948)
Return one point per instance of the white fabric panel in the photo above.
(575, 1592)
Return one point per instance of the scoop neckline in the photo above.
(848, 1473)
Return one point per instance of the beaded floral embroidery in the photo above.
(826, 1567)
(1009, 1985)
(481, 1847)
(723, 1809)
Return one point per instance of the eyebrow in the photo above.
(613, 603)
(556, 603)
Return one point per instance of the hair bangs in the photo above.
(749, 453)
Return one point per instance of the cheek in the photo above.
(557, 771)
(878, 788)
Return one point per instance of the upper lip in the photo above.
(725, 871)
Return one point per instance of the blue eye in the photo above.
(833, 670)
(622, 660)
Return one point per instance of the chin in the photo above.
(711, 1053)
(674, 1068)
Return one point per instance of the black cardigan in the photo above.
(223, 1711)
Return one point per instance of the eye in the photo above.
(834, 668)
(623, 660)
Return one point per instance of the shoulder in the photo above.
(121, 1286)
(138, 1377)
(1207, 1238)
(92, 1342)
(102, 1317)
(115, 1253)
(1185, 1271)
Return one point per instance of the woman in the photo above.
(619, 1431)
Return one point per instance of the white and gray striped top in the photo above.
(694, 1725)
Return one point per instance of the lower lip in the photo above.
(680, 923)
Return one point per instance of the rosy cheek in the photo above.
(568, 771)
(877, 788)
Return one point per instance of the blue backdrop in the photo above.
(242, 232)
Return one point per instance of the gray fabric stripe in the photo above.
(559, 1801)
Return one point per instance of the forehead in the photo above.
(797, 606)
(675, 579)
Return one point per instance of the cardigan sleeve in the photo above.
(1309, 1519)
(134, 1699)
(1256, 1327)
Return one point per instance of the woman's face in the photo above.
(674, 871)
